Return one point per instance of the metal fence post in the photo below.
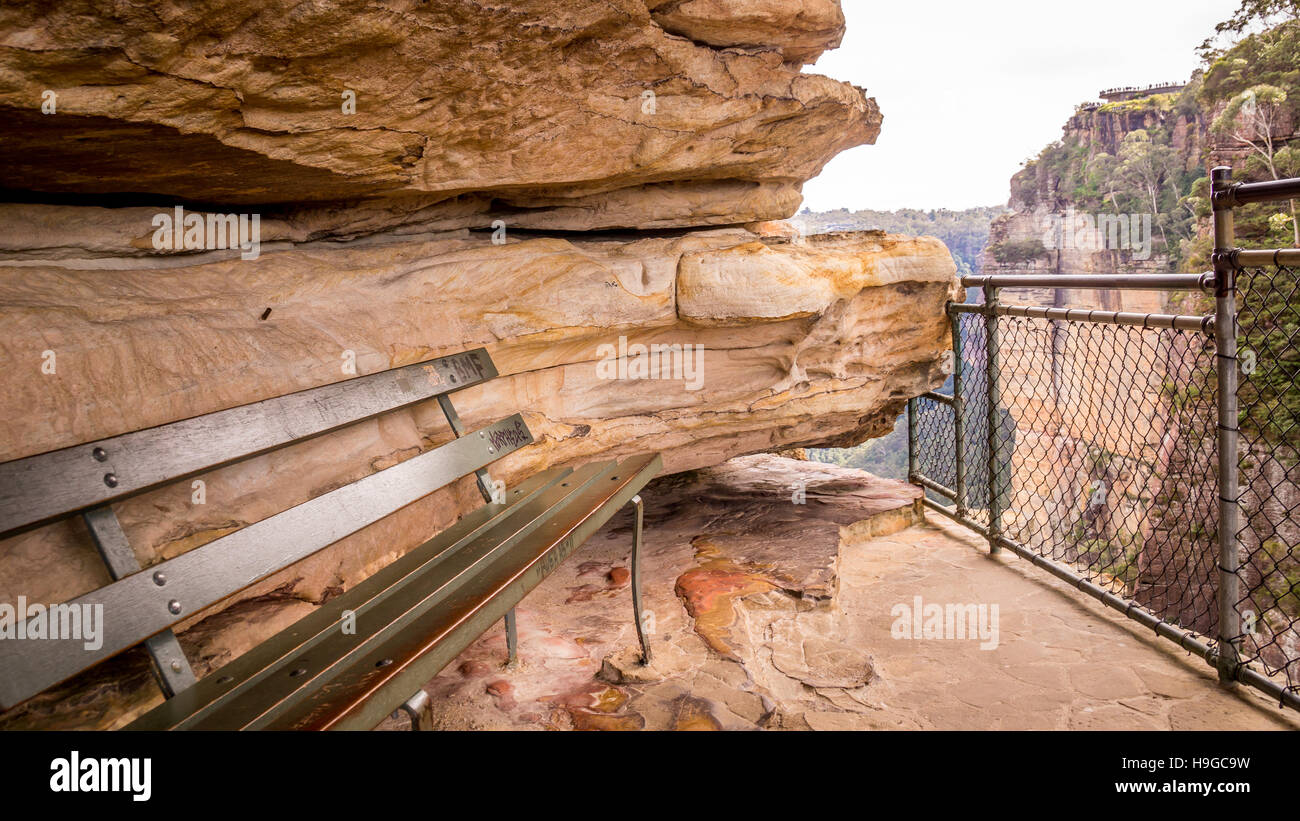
(958, 410)
(1225, 340)
(991, 363)
(912, 462)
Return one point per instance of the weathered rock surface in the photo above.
(378, 247)
(837, 327)
(799, 29)
(139, 345)
(740, 590)
(588, 112)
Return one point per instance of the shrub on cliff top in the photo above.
(1152, 102)
(1013, 252)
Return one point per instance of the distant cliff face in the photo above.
(551, 180)
(1104, 128)
(1149, 155)
(1125, 191)
(1069, 211)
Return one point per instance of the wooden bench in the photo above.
(359, 657)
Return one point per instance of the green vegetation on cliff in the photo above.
(1162, 103)
(1012, 252)
(1257, 82)
(1149, 154)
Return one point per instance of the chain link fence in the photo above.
(1268, 339)
(1092, 443)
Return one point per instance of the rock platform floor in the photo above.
(771, 614)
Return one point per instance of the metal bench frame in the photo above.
(507, 547)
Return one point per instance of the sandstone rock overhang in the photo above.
(593, 113)
(627, 220)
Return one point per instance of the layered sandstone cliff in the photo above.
(539, 178)
(571, 115)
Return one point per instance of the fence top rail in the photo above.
(1139, 282)
(1179, 322)
(1242, 258)
(1243, 193)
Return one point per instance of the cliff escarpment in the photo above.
(544, 179)
(1116, 426)
(1144, 156)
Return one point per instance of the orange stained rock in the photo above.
(583, 720)
(709, 592)
(609, 700)
(618, 576)
(694, 714)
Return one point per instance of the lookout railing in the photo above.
(1150, 460)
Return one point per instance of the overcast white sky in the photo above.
(969, 90)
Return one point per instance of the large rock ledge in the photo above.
(568, 107)
(862, 330)
(550, 180)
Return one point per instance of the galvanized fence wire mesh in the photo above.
(936, 425)
(935, 429)
(1268, 339)
(1109, 458)
(1106, 458)
(1105, 453)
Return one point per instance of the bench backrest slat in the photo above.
(145, 603)
(41, 488)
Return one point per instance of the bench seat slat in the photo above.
(329, 657)
(366, 693)
(38, 489)
(424, 632)
(228, 683)
(136, 607)
(429, 617)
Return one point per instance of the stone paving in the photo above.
(775, 615)
(1063, 661)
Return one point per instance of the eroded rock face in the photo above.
(528, 112)
(587, 111)
(838, 326)
(799, 29)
